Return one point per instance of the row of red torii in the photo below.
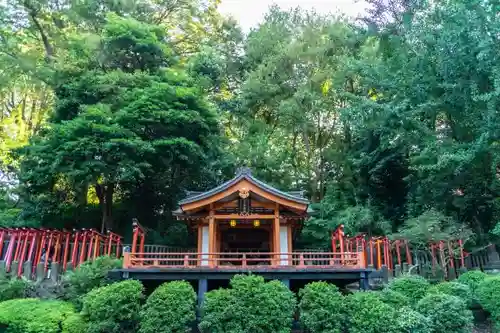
(28, 247)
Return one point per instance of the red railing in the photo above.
(244, 260)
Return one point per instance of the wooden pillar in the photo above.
(290, 246)
(211, 237)
(200, 240)
(276, 234)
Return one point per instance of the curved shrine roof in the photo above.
(244, 174)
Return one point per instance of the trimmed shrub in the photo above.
(393, 298)
(14, 288)
(171, 308)
(446, 313)
(366, 313)
(74, 324)
(410, 321)
(250, 305)
(321, 308)
(32, 315)
(473, 279)
(114, 308)
(460, 290)
(87, 276)
(414, 287)
(488, 293)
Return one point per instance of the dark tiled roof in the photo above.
(246, 174)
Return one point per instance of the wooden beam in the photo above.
(276, 233)
(242, 217)
(200, 237)
(219, 205)
(211, 236)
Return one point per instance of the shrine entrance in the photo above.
(245, 240)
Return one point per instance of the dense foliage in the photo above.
(411, 321)
(169, 309)
(30, 315)
(114, 308)
(109, 111)
(394, 298)
(365, 312)
(14, 288)
(472, 279)
(250, 305)
(321, 308)
(488, 293)
(457, 289)
(413, 287)
(446, 313)
(89, 275)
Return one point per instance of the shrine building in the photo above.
(243, 226)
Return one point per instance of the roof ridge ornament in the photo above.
(244, 171)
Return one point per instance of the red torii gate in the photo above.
(41, 246)
(388, 252)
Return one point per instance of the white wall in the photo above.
(284, 244)
(204, 245)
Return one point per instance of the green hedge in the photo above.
(411, 321)
(473, 279)
(458, 289)
(250, 305)
(414, 287)
(14, 288)
(171, 308)
(394, 298)
(447, 314)
(32, 315)
(321, 308)
(114, 308)
(87, 276)
(488, 293)
(367, 313)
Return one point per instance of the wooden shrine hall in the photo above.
(243, 225)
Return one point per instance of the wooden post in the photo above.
(199, 245)
(74, 251)
(408, 254)
(276, 234)
(141, 245)
(340, 231)
(10, 250)
(134, 239)
(2, 239)
(18, 244)
(23, 253)
(55, 256)
(372, 253)
(211, 238)
(82, 249)
(110, 243)
(32, 246)
(66, 251)
(97, 245)
(398, 252)
(89, 252)
(379, 255)
(47, 253)
(40, 249)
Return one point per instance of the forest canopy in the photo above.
(111, 110)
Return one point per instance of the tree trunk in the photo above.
(105, 195)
